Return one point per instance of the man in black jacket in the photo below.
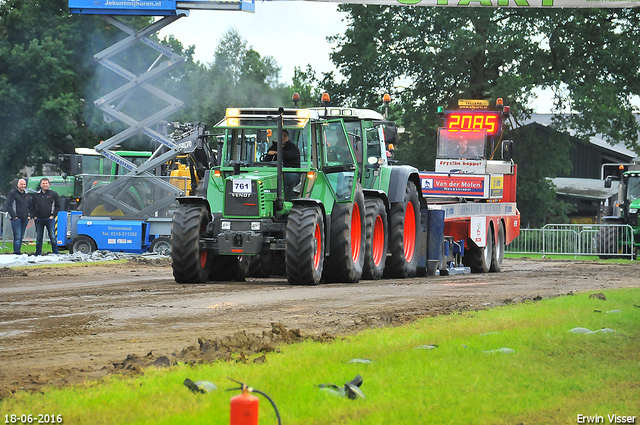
(18, 208)
(45, 205)
(290, 158)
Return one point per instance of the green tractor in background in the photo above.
(332, 226)
(620, 240)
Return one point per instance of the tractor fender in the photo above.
(400, 175)
(374, 193)
(327, 222)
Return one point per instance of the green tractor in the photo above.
(331, 226)
(316, 231)
(619, 239)
(393, 197)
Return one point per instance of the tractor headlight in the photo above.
(633, 210)
(225, 225)
(255, 225)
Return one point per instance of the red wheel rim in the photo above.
(377, 245)
(317, 248)
(356, 233)
(409, 232)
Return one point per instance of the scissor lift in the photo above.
(114, 194)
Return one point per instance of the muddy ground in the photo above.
(64, 325)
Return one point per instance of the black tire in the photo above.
(261, 265)
(305, 246)
(479, 259)
(377, 239)
(403, 235)
(161, 245)
(228, 267)
(190, 263)
(345, 262)
(498, 250)
(83, 245)
(606, 242)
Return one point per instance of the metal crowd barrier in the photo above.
(603, 240)
(7, 233)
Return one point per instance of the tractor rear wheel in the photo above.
(189, 261)
(498, 251)
(228, 267)
(304, 246)
(403, 235)
(375, 256)
(348, 233)
(261, 265)
(479, 259)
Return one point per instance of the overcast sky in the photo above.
(293, 33)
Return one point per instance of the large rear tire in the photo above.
(304, 246)
(479, 259)
(190, 262)
(261, 265)
(228, 268)
(498, 251)
(348, 233)
(377, 239)
(403, 235)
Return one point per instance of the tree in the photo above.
(238, 76)
(48, 81)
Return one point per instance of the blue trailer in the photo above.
(86, 234)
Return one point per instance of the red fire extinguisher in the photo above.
(244, 407)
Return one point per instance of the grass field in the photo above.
(551, 377)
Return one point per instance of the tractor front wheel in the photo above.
(304, 246)
(190, 262)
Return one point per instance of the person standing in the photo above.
(18, 208)
(45, 205)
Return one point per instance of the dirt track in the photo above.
(67, 324)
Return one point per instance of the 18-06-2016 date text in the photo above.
(33, 419)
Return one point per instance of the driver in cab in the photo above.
(290, 158)
(290, 152)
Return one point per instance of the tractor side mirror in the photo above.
(609, 179)
(507, 150)
(390, 134)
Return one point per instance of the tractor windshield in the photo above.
(633, 188)
(250, 146)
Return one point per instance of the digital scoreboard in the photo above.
(474, 120)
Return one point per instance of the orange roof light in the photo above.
(269, 132)
(386, 98)
(620, 167)
(499, 101)
(296, 97)
(325, 97)
(216, 173)
(311, 175)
